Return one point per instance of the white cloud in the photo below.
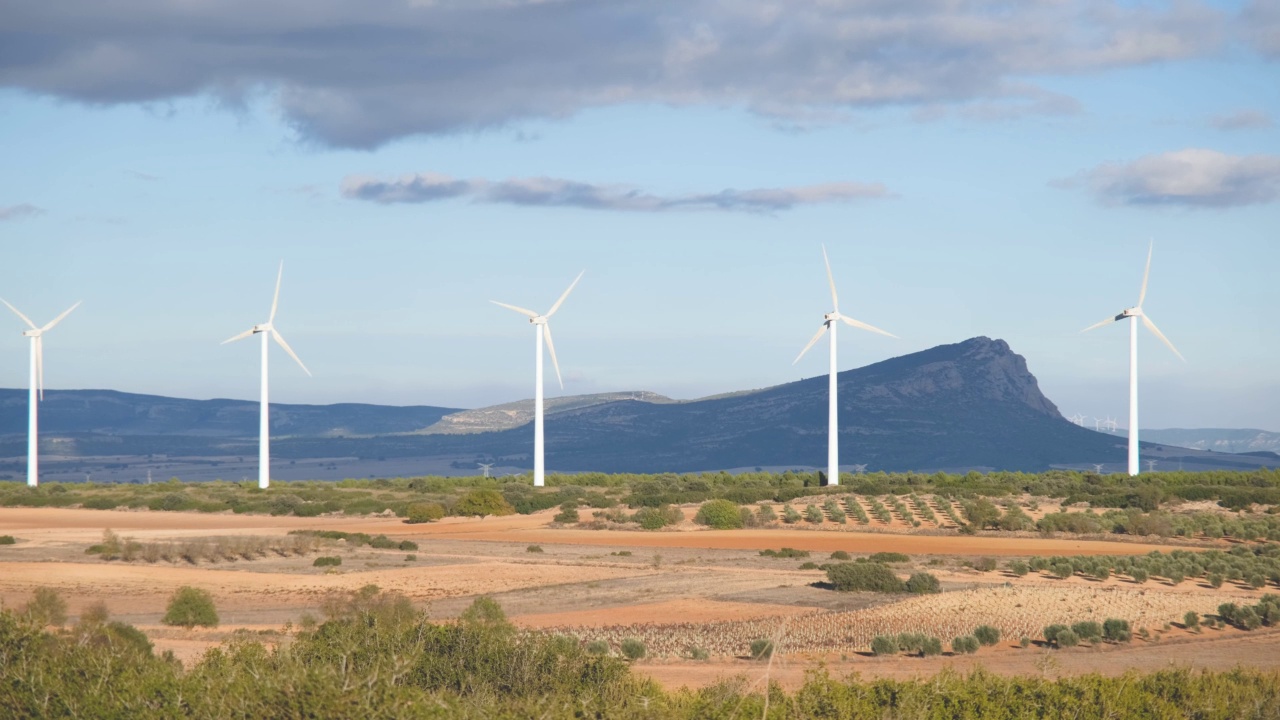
(1242, 120)
(555, 192)
(1193, 177)
(18, 212)
(361, 74)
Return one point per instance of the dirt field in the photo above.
(678, 589)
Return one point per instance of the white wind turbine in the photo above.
(486, 468)
(829, 321)
(35, 388)
(542, 330)
(267, 330)
(1134, 314)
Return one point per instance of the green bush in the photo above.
(761, 649)
(1018, 568)
(923, 583)
(871, 577)
(1067, 638)
(407, 545)
(813, 514)
(424, 512)
(534, 549)
(46, 607)
(327, 561)
(809, 565)
(719, 514)
(190, 607)
(633, 649)
(790, 515)
(7, 540)
(1191, 620)
(597, 647)
(698, 653)
(785, 552)
(840, 555)
(884, 645)
(568, 514)
(1088, 630)
(889, 557)
(986, 635)
(1116, 630)
(482, 503)
(984, 564)
(964, 645)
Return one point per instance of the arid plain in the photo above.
(673, 589)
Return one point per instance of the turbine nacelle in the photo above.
(1129, 312)
(32, 333)
(262, 328)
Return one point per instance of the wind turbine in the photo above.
(267, 330)
(829, 321)
(1134, 314)
(35, 388)
(542, 329)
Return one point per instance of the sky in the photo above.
(972, 168)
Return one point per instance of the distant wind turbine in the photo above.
(829, 321)
(1134, 314)
(267, 330)
(35, 392)
(542, 330)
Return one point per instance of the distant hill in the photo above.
(109, 412)
(970, 405)
(1216, 439)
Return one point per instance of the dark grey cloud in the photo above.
(1260, 24)
(18, 212)
(1193, 177)
(358, 74)
(554, 192)
(1242, 120)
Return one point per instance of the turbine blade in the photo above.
(39, 341)
(275, 335)
(25, 319)
(1146, 275)
(1095, 326)
(835, 301)
(864, 326)
(520, 310)
(556, 307)
(275, 300)
(241, 336)
(551, 347)
(58, 319)
(812, 342)
(1152, 327)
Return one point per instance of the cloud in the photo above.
(18, 212)
(360, 74)
(1242, 120)
(554, 192)
(1260, 24)
(1193, 177)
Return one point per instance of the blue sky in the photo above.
(973, 168)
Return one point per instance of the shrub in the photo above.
(785, 552)
(964, 645)
(1067, 638)
(483, 503)
(984, 564)
(840, 555)
(327, 561)
(424, 512)
(698, 653)
(597, 647)
(46, 608)
(790, 515)
(1024, 642)
(1087, 630)
(1051, 633)
(1139, 575)
(1063, 570)
(884, 645)
(534, 549)
(765, 514)
(923, 583)
(872, 577)
(813, 514)
(7, 540)
(1216, 580)
(1018, 568)
(719, 514)
(190, 607)
(889, 557)
(986, 635)
(407, 545)
(761, 649)
(568, 513)
(1191, 620)
(632, 649)
(1117, 630)
(932, 646)
(809, 565)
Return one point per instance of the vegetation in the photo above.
(889, 557)
(534, 549)
(922, 583)
(719, 515)
(786, 552)
(633, 649)
(482, 503)
(864, 576)
(7, 540)
(327, 561)
(46, 608)
(424, 512)
(190, 607)
(761, 649)
(376, 657)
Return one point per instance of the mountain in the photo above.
(109, 412)
(971, 405)
(1218, 440)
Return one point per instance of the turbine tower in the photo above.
(35, 388)
(267, 330)
(829, 321)
(1134, 314)
(542, 329)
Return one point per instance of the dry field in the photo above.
(673, 589)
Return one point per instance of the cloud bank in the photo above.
(555, 192)
(1193, 177)
(360, 74)
(18, 212)
(1242, 120)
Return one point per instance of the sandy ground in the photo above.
(673, 588)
